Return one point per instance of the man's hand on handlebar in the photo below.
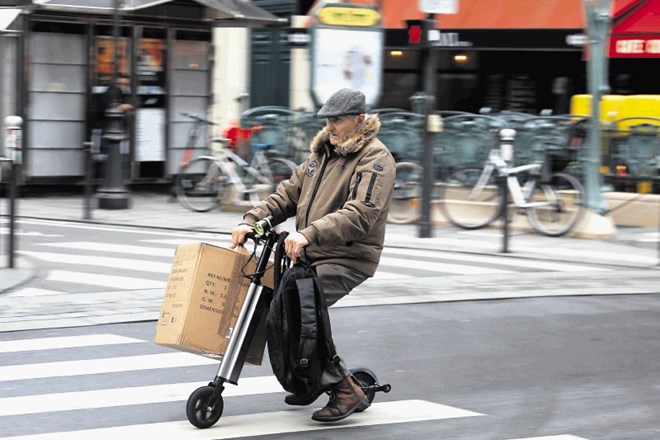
(294, 244)
(239, 235)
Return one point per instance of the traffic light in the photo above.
(418, 31)
(415, 31)
(414, 34)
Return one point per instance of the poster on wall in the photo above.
(150, 68)
(105, 58)
(149, 135)
(150, 61)
(347, 57)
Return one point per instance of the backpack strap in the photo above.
(325, 321)
(280, 260)
(314, 314)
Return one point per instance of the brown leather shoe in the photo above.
(346, 398)
(305, 399)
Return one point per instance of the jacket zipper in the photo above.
(358, 178)
(316, 186)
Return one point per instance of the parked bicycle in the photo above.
(223, 177)
(407, 195)
(552, 202)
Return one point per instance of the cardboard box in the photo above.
(204, 294)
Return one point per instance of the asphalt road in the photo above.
(563, 368)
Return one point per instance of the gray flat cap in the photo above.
(344, 102)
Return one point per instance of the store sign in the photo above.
(348, 16)
(639, 47)
(439, 6)
(446, 39)
(298, 38)
(577, 40)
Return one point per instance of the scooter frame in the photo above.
(205, 405)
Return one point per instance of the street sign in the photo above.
(298, 37)
(439, 6)
(349, 16)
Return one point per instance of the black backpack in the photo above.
(298, 335)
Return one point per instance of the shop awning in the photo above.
(489, 14)
(635, 29)
(7, 17)
(95, 6)
(234, 13)
(224, 12)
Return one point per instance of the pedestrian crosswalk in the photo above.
(102, 263)
(26, 396)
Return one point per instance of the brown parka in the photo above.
(340, 196)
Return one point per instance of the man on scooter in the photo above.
(340, 196)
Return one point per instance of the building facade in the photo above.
(194, 56)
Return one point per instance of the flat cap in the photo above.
(344, 102)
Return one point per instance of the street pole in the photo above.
(113, 193)
(598, 25)
(430, 65)
(13, 144)
(507, 135)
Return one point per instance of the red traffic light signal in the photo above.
(418, 31)
(415, 34)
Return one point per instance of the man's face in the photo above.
(340, 127)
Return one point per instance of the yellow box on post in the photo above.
(611, 106)
(204, 294)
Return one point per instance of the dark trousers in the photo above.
(337, 281)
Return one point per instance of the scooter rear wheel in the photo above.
(201, 411)
(367, 380)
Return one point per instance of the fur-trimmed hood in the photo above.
(364, 133)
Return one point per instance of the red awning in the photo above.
(489, 14)
(635, 29)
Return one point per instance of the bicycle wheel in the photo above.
(469, 203)
(557, 205)
(407, 195)
(199, 184)
(280, 169)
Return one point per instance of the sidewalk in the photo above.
(633, 256)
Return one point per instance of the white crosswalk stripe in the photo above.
(99, 366)
(552, 437)
(54, 406)
(141, 395)
(280, 422)
(64, 342)
(106, 262)
(102, 280)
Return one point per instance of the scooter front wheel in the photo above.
(202, 409)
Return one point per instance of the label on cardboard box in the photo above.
(204, 294)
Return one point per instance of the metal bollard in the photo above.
(10, 251)
(13, 146)
(506, 152)
(89, 168)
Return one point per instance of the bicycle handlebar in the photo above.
(197, 118)
(263, 226)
